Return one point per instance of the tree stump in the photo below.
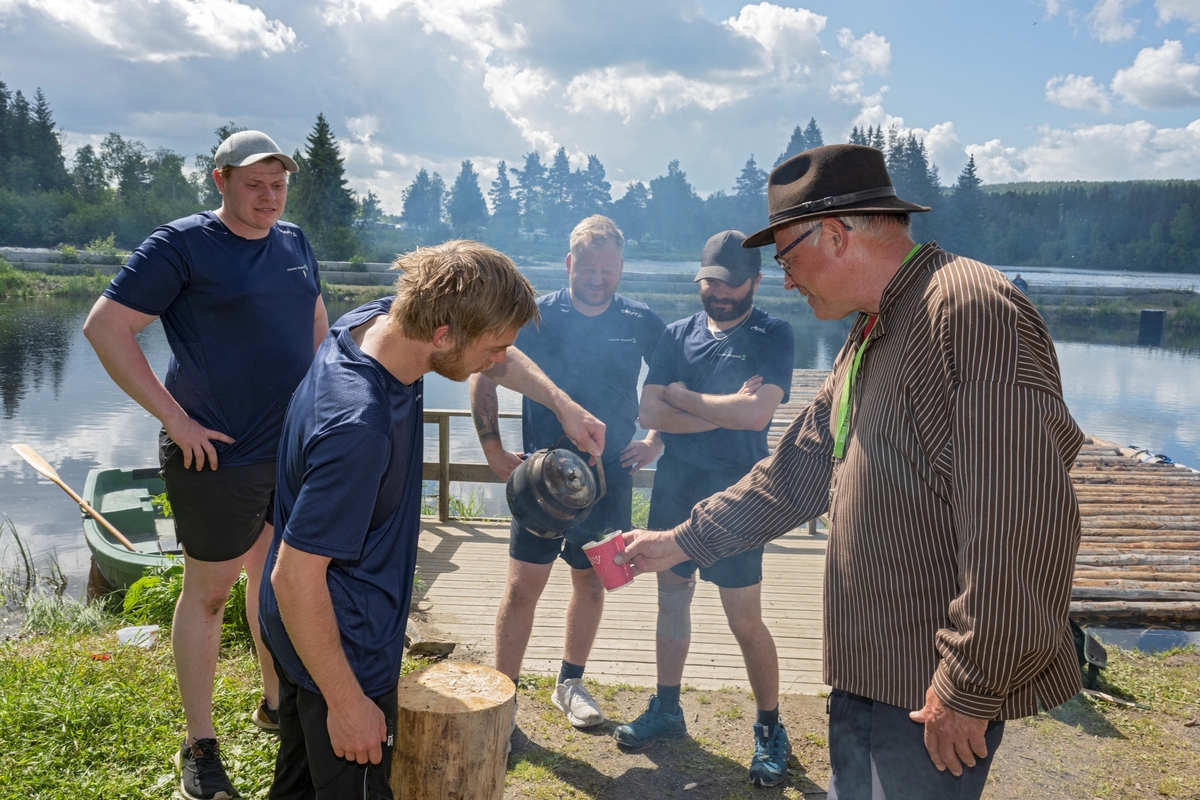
(452, 729)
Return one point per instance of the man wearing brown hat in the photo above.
(940, 446)
(714, 383)
(239, 297)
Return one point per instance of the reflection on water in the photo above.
(55, 396)
(1152, 640)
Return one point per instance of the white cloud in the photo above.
(872, 51)
(478, 24)
(1052, 8)
(789, 37)
(1108, 23)
(1138, 150)
(1077, 91)
(1184, 10)
(627, 90)
(167, 30)
(1160, 79)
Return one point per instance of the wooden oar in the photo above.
(43, 466)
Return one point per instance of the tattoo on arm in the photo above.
(485, 413)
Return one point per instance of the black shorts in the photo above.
(306, 768)
(678, 486)
(614, 512)
(219, 513)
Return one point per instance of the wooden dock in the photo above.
(1138, 565)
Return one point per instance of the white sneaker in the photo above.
(573, 699)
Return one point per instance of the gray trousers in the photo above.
(878, 753)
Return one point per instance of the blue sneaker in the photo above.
(651, 726)
(771, 751)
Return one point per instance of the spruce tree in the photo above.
(812, 135)
(558, 194)
(630, 211)
(591, 193)
(87, 176)
(750, 193)
(466, 207)
(45, 149)
(531, 192)
(419, 210)
(802, 140)
(675, 209)
(318, 200)
(506, 211)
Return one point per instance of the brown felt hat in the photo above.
(824, 181)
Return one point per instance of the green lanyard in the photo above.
(842, 423)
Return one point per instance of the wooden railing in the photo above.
(444, 471)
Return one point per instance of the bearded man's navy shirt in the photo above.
(719, 364)
(348, 487)
(238, 314)
(595, 360)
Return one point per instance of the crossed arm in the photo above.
(676, 409)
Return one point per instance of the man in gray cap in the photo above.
(238, 294)
(714, 383)
(940, 445)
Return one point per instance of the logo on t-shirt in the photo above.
(756, 328)
(303, 267)
(731, 355)
(634, 341)
(630, 313)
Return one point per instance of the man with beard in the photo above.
(617, 334)
(348, 505)
(714, 384)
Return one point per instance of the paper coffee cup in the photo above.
(613, 576)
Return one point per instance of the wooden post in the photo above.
(443, 468)
(452, 729)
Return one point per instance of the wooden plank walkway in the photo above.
(464, 566)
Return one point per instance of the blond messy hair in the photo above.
(596, 231)
(467, 285)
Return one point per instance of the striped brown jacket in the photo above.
(954, 525)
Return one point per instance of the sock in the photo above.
(768, 718)
(668, 698)
(568, 671)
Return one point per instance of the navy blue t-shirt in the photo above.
(349, 487)
(595, 360)
(238, 314)
(688, 351)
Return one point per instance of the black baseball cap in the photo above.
(725, 259)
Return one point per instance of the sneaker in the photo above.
(265, 717)
(652, 725)
(201, 775)
(771, 751)
(573, 699)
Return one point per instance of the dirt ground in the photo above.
(1082, 750)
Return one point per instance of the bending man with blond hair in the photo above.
(348, 505)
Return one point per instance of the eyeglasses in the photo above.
(779, 256)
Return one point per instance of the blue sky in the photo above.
(1034, 89)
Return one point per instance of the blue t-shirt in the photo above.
(688, 351)
(349, 487)
(595, 360)
(238, 314)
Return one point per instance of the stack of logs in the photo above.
(1139, 559)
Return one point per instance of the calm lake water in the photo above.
(55, 397)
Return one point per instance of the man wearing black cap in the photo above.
(940, 445)
(240, 299)
(714, 384)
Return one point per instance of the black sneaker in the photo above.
(265, 717)
(202, 777)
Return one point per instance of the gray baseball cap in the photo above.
(724, 259)
(249, 147)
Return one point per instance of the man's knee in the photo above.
(675, 611)
(526, 583)
(587, 586)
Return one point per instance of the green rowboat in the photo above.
(122, 496)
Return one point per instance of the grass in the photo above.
(20, 283)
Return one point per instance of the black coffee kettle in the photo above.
(554, 489)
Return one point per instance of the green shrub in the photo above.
(69, 254)
(14, 282)
(48, 612)
(357, 264)
(106, 248)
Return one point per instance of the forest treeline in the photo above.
(123, 189)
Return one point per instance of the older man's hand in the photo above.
(952, 738)
(650, 551)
